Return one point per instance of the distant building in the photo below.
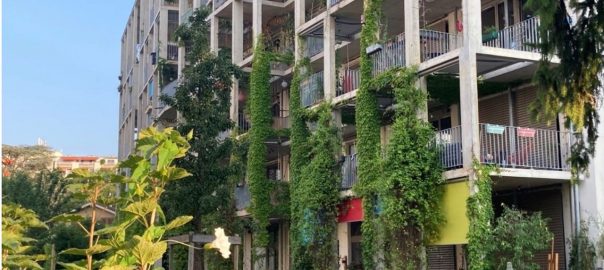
(93, 163)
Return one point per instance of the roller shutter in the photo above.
(494, 110)
(441, 257)
(522, 116)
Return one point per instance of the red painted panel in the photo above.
(350, 210)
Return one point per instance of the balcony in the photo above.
(243, 124)
(390, 56)
(349, 81)
(172, 52)
(521, 36)
(509, 147)
(349, 171)
(311, 90)
(313, 46)
(432, 44)
(281, 122)
(218, 3)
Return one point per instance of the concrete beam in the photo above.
(412, 41)
(214, 26)
(256, 19)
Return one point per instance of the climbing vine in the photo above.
(411, 191)
(317, 195)
(260, 187)
(481, 218)
(368, 132)
(298, 158)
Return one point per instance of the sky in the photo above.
(60, 68)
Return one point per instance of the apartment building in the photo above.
(475, 60)
(149, 63)
(67, 164)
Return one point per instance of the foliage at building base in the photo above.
(518, 236)
(411, 191)
(481, 217)
(368, 132)
(582, 250)
(572, 31)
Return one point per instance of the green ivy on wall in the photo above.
(411, 191)
(298, 158)
(317, 195)
(368, 132)
(260, 103)
(481, 217)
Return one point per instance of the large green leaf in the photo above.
(74, 251)
(141, 208)
(154, 232)
(147, 252)
(175, 173)
(96, 249)
(166, 154)
(179, 221)
(71, 266)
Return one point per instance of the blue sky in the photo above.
(60, 67)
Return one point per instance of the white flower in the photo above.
(221, 243)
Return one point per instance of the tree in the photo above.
(29, 159)
(16, 222)
(573, 33)
(46, 192)
(203, 101)
(518, 236)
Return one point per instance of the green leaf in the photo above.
(117, 267)
(141, 208)
(67, 218)
(147, 252)
(154, 232)
(96, 249)
(166, 153)
(175, 173)
(71, 266)
(178, 222)
(74, 251)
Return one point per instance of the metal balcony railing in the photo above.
(242, 123)
(311, 89)
(435, 43)
(521, 36)
(172, 52)
(509, 147)
(448, 142)
(391, 55)
(314, 46)
(349, 171)
(521, 147)
(349, 81)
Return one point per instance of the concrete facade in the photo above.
(477, 43)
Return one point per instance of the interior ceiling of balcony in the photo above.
(513, 183)
(497, 68)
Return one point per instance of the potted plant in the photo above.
(490, 33)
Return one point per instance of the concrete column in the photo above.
(247, 251)
(344, 244)
(329, 58)
(214, 22)
(299, 19)
(236, 53)
(467, 81)
(256, 19)
(412, 41)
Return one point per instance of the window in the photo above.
(488, 18)
(355, 261)
(151, 89)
